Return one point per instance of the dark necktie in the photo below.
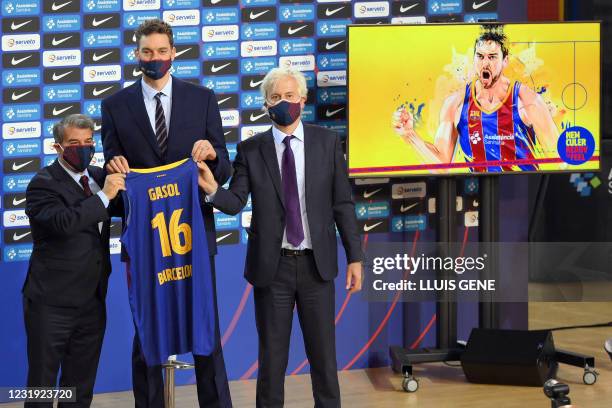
(85, 183)
(295, 230)
(161, 132)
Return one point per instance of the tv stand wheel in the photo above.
(589, 377)
(410, 384)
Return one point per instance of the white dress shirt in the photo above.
(95, 188)
(148, 93)
(297, 146)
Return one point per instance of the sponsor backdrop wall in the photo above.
(64, 56)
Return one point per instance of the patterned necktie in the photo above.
(295, 230)
(85, 183)
(161, 132)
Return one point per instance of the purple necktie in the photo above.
(295, 230)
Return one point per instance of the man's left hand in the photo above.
(354, 277)
(203, 150)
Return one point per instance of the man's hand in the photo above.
(402, 122)
(354, 276)
(113, 184)
(117, 164)
(203, 150)
(206, 180)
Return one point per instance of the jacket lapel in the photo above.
(268, 152)
(176, 111)
(310, 153)
(139, 113)
(60, 174)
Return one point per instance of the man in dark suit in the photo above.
(64, 292)
(158, 120)
(296, 175)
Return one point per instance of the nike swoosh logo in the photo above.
(215, 1)
(254, 118)
(214, 69)
(136, 72)
(18, 237)
(471, 125)
(227, 133)
(20, 60)
(20, 166)
(56, 7)
(178, 54)
(18, 202)
(476, 6)
(254, 16)
(367, 227)
(405, 9)
(292, 30)
(59, 112)
(255, 84)
(18, 26)
(16, 97)
(222, 237)
(97, 92)
(97, 127)
(97, 57)
(58, 77)
(329, 46)
(58, 42)
(368, 194)
(96, 23)
(332, 113)
(404, 209)
(329, 12)
(223, 100)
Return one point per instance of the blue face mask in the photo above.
(78, 157)
(154, 69)
(285, 113)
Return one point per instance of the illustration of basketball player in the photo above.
(491, 120)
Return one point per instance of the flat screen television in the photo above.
(440, 99)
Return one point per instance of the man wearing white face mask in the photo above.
(296, 175)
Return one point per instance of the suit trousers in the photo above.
(296, 282)
(211, 377)
(66, 337)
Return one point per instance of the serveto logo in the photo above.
(21, 130)
(63, 58)
(23, 42)
(182, 17)
(258, 48)
(247, 132)
(15, 218)
(371, 9)
(298, 62)
(101, 73)
(408, 190)
(220, 33)
(129, 5)
(331, 78)
(230, 118)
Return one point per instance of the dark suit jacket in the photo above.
(70, 261)
(127, 131)
(328, 203)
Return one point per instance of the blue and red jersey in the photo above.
(498, 136)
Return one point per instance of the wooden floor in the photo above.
(442, 386)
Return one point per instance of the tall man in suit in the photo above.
(296, 175)
(158, 120)
(65, 289)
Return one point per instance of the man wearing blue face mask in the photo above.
(161, 119)
(296, 175)
(69, 204)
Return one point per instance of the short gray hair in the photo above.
(277, 73)
(76, 120)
